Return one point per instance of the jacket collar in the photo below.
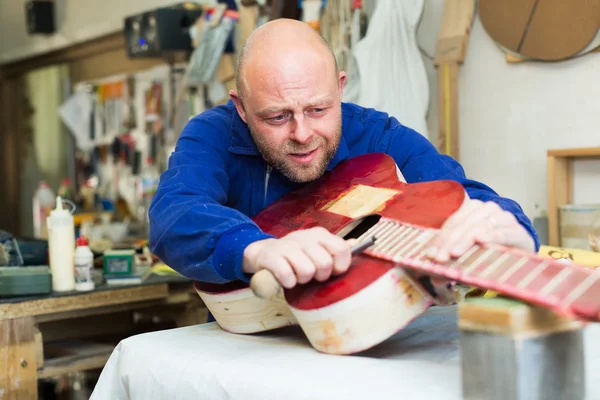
(242, 142)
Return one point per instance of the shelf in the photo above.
(76, 356)
(575, 153)
(559, 164)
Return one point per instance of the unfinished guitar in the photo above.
(379, 294)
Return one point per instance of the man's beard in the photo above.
(278, 158)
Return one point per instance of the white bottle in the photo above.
(84, 265)
(61, 246)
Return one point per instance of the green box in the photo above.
(20, 281)
(119, 262)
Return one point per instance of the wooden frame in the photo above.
(560, 183)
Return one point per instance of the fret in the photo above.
(382, 228)
(398, 251)
(370, 232)
(558, 279)
(493, 266)
(477, 262)
(378, 230)
(465, 256)
(581, 289)
(514, 268)
(421, 241)
(394, 237)
(423, 254)
(390, 234)
(575, 278)
(399, 245)
(533, 274)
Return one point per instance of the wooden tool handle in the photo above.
(264, 285)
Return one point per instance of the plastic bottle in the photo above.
(84, 265)
(43, 203)
(61, 246)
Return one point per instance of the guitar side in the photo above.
(237, 310)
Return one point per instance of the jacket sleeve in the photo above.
(420, 161)
(191, 228)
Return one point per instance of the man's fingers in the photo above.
(338, 247)
(512, 236)
(469, 238)
(340, 250)
(464, 212)
(476, 224)
(352, 242)
(301, 263)
(313, 253)
(450, 231)
(476, 220)
(322, 260)
(282, 270)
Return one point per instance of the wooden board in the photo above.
(455, 28)
(18, 361)
(450, 52)
(83, 301)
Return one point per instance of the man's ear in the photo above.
(341, 83)
(238, 104)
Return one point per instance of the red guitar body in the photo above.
(378, 295)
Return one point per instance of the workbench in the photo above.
(422, 361)
(44, 336)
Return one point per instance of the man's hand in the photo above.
(478, 222)
(300, 256)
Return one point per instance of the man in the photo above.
(286, 125)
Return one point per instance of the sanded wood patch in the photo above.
(361, 200)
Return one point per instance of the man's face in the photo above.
(294, 116)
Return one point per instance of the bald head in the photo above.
(289, 94)
(278, 42)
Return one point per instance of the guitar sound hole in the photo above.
(365, 224)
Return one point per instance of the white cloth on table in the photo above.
(205, 362)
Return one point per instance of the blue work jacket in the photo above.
(216, 181)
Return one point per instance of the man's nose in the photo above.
(302, 132)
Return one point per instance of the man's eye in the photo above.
(278, 118)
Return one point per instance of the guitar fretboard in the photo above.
(568, 289)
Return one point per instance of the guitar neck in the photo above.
(568, 289)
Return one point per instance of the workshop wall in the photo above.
(510, 114)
